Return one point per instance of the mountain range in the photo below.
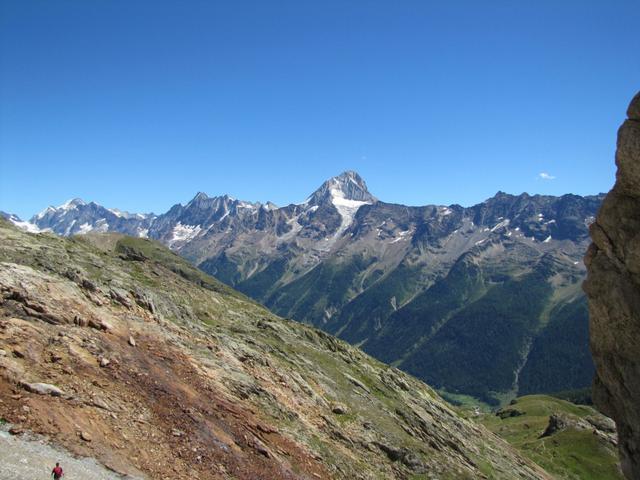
(482, 301)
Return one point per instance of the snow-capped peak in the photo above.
(346, 192)
(44, 212)
(347, 186)
(65, 207)
(71, 204)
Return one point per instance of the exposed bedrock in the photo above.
(613, 288)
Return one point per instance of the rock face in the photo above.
(613, 289)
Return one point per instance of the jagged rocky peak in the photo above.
(200, 196)
(613, 286)
(66, 206)
(73, 203)
(346, 186)
(204, 202)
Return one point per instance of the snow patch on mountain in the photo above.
(183, 233)
(68, 230)
(401, 236)
(85, 228)
(346, 208)
(501, 224)
(247, 205)
(22, 225)
(123, 214)
(71, 204)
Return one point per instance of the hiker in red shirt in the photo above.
(57, 472)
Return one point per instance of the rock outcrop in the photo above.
(613, 288)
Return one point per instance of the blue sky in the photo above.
(141, 104)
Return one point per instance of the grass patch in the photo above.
(568, 454)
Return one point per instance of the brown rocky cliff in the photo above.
(613, 288)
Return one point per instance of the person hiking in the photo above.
(57, 472)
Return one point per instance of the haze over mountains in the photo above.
(482, 301)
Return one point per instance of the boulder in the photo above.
(339, 409)
(43, 389)
(120, 296)
(556, 424)
(89, 285)
(508, 413)
(100, 403)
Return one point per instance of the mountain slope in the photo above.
(402, 282)
(118, 349)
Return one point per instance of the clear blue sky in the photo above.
(140, 104)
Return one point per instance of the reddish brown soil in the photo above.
(164, 417)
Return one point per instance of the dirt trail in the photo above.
(31, 458)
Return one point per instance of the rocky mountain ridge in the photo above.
(371, 272)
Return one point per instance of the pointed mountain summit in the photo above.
(65, 207)
(208, 209)
(346, 186)
(73, 203)
(200, 196)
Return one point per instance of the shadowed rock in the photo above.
(613, 288)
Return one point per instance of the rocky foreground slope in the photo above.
(613, 288)
(115, 348)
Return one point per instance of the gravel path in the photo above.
(31, 458)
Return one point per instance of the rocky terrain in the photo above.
(613, 288)
(429, 289)
(116, 349)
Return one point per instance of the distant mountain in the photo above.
(482, 301)
(18, 222)
(78, 217)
